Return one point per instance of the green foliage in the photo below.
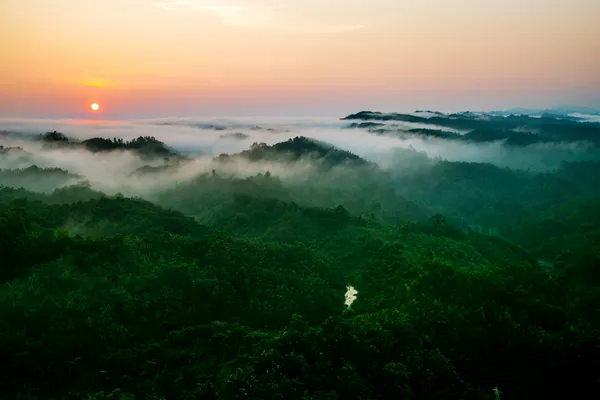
(36, 178)
(146, 145)
(143, 145)
(118, 298)
(297, 148)
(214, 198)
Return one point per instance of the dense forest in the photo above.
(297, 270)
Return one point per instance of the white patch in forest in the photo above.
(350, 295)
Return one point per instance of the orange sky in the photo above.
(169, 57)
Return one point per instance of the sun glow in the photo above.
(94, 106)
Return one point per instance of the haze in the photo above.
(154, 58)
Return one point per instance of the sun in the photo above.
(94, 106)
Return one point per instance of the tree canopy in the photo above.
(473, 282)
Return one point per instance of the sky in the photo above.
(158, 58)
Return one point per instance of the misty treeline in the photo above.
(145, 145)
(225, 278)
(513, 129)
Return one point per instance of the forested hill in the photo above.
(232, 277)
(515, 129)
(299, 148)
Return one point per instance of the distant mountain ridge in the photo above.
(512, 126)
(565, 110)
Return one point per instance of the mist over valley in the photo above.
(367, 223)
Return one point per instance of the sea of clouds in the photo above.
(204, 138)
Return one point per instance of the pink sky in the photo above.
(265, 57)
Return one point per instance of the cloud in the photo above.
(202, 139)
(203, 136)
(230, 12)
(586, 117)
(259, 14)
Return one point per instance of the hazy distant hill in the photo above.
(515, 129)
(13, 151)
(38, 179)
(235, 135)
(378, 116)
(561, 110)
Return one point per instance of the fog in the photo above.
(586, 117)
(203, 138)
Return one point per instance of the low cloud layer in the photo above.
(202, 139)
